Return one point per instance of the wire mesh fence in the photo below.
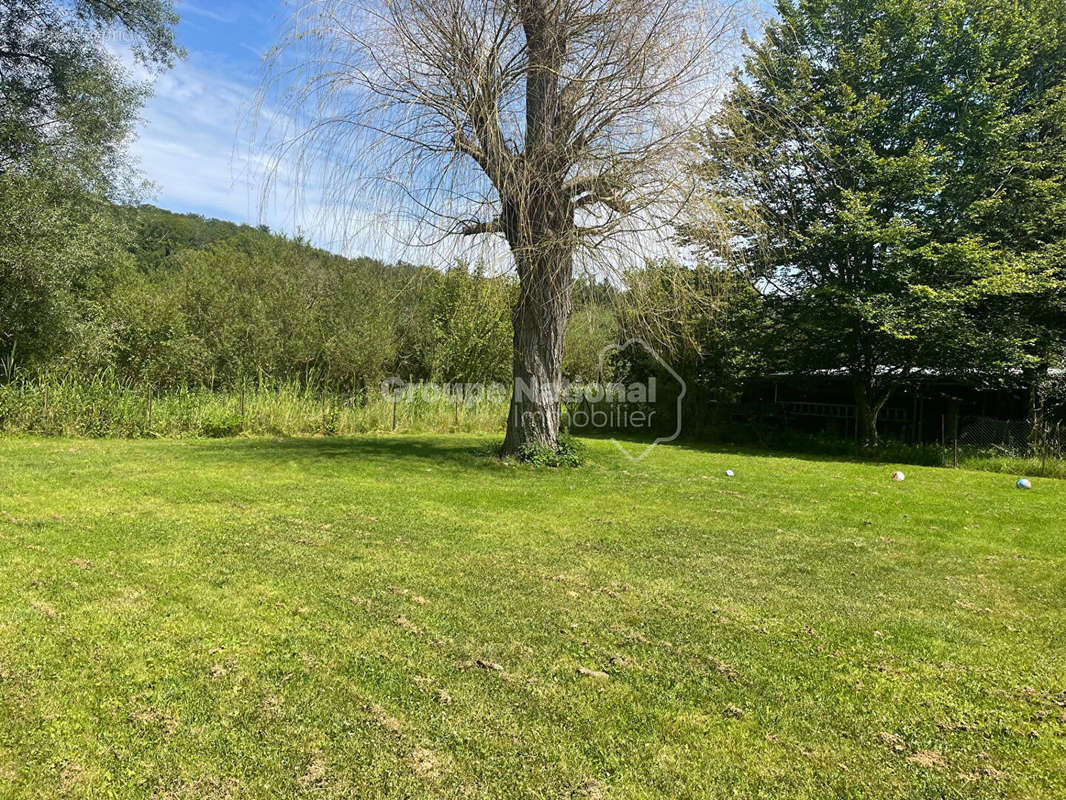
(1013, 438)
(935, 436)
(1010, 437)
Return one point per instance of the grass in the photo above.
(402, 617)
(102, 406)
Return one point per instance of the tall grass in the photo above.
(1032, 466)
(101, 406)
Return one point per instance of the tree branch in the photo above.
(466, 147)
(474, 228)
(598, 189)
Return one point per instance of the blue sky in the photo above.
(188, 143)
(193, 141)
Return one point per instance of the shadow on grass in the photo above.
(458, 449)
(832, 452)
(478, 452)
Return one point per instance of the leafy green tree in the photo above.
(592, 328)
(882, 167)
(594, 325)
(707, 322)
(158, 235)
(471, 315)
(66, 104)
(266, 305)
(66, 110)
(60, 255)
(356, 321)
(411, 290)
(151, 341)
(1004, 129)
(211, 303)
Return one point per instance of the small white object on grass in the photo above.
(898, 476)
(1024, 483)
(729, 473)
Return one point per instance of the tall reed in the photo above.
(102, 406)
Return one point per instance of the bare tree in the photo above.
(555, 125)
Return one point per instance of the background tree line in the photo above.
(179, 300)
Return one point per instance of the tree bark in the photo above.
(868, 405)
(541, 316)
(537, 217)
(1035, 378)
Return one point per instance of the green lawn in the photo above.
(403, 617)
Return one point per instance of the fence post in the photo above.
(242, 400)
(45, 420)
(955, 431)
(956, 414)
(1043, 447)
(149, 407)
(394, 400)
(323, 410)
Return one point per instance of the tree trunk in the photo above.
(868, 405)
(1035, 378)
(540, 316)
(538, 220)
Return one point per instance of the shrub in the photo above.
(568, 453)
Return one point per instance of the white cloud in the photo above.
(185, 8)
(186, 145)
(192, 145)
